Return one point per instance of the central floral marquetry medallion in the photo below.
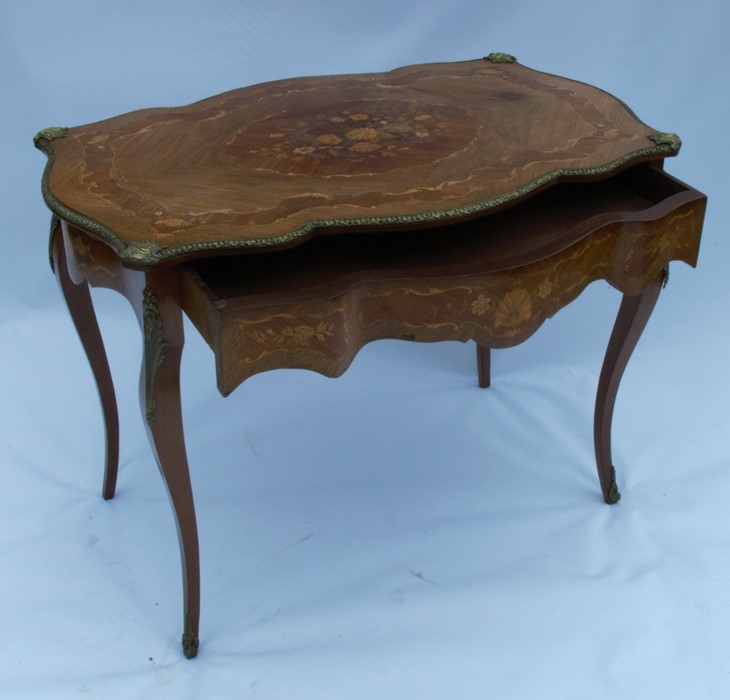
(357, 137)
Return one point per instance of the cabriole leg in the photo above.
(78, 300)
(161, 320)
(632, 318)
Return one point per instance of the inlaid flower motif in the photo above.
(329, 140)
(302, 334)
(362, 134)
(481, 305)
(543, 291)
(89, 269)
(514, 309)
(364, 147)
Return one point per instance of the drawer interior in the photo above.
(541, 226)
(326, 265)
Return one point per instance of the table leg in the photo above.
(632, 318)
(161, 319)
(484, 364)
(78, 300)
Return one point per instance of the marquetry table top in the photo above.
(269, 165)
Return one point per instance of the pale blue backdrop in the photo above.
(396, 533)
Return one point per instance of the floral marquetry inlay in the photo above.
(362, 137)
(86, 259)
(295, 336)
(272, 334)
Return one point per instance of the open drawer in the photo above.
(493, 279)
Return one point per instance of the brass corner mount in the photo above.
(52, 132)
(500, 58)
(662, 138)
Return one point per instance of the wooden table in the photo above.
(297, 220)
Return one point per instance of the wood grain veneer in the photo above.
(271, 164)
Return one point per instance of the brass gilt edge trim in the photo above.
(155, 349)
(147, 253)
(500, 58)
(61, 211)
